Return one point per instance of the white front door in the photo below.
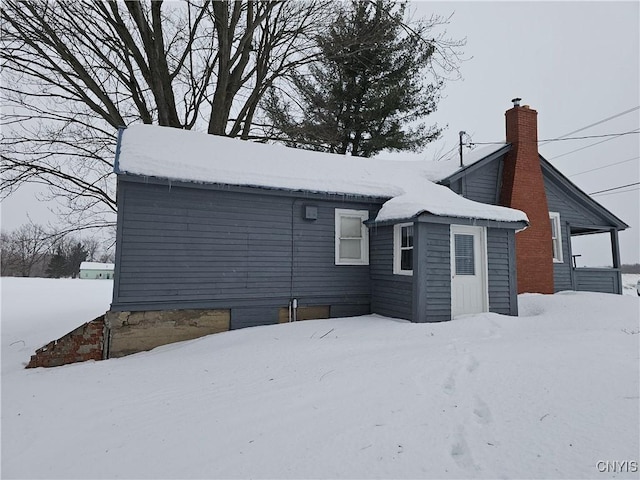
(469, 292)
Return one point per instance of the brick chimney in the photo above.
(523, 189)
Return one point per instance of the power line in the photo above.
(446, 153)
(604, 166)
(560, 139)
(592, 144)
(618, 192)
(614, 188)
(600, 122)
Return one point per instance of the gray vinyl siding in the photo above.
(183, 247)
(571, 212)
(251, 251)
(598, 280)
(482, 185)
(502, 282)
(316, 277)
(391, 295)
(434, 252)
(456, 186)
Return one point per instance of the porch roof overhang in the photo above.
(577, 230)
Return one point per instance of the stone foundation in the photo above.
(84, 343)
(132, 332)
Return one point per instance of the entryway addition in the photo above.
(469, 292)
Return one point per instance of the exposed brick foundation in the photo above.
(132, 332)
(523, 189)
(84, 343)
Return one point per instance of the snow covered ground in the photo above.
(548, 394)
(629, 282)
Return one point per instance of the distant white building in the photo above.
(96, 270)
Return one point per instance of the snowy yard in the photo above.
(548, 394)
(629, 282)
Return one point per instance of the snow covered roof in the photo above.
(441, 169)
(96, 266)
(182, 155)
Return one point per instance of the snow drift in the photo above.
(548, 394)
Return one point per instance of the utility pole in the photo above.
(461, 134)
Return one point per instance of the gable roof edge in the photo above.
(476, 165)
(580, 194)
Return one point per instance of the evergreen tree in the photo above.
(77, 254)
(369, 88)
(67, 259)
(57, 267)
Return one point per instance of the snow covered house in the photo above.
(216, 234)
(96, 270)
(514, 174)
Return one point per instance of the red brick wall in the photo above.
(84, 343)
(523, 189)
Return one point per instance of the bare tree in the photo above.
(23, 249)
(6, 255)
(28, 250)
(107, 257)
(92, 247)
(73, 72)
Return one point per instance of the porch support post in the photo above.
(615, 248)
(615, 254)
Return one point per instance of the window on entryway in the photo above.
(403, 249)
(352, 237)
(556, 236)
(465, 255)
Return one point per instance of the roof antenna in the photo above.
(461, 134)
(516, 101)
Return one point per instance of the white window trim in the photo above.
(364, 246)
(397, 242)
(555, 218)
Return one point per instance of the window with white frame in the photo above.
(556, 236)
(403, 249)
(352, 237)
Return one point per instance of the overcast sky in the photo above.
(576, 63)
